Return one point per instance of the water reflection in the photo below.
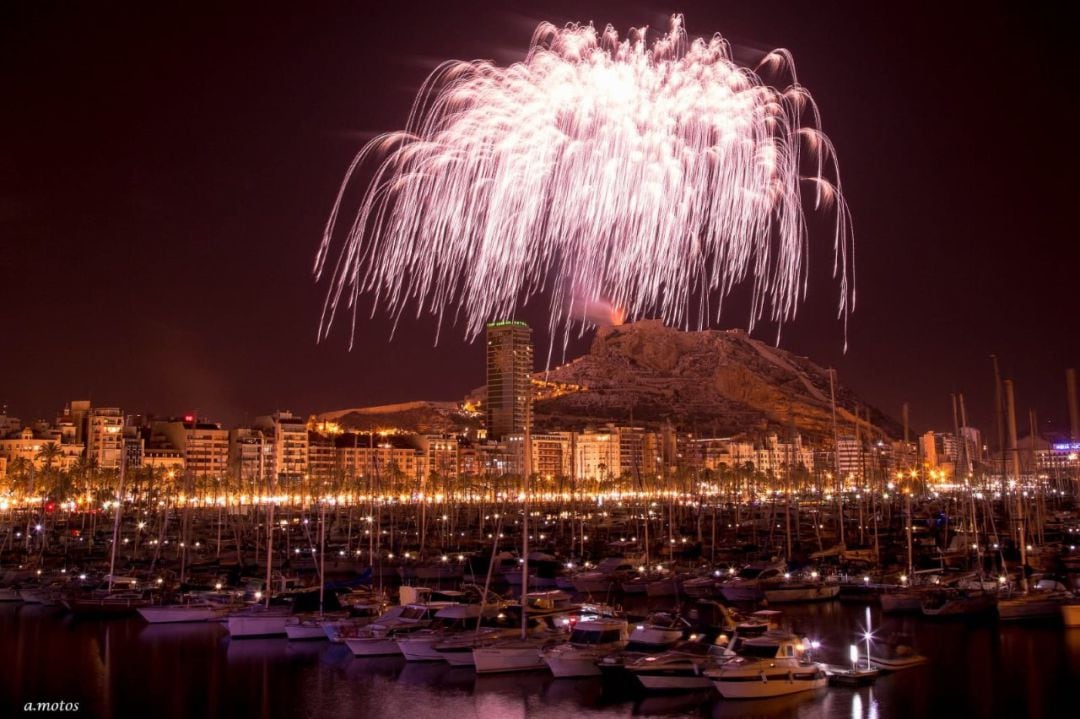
(125, 667)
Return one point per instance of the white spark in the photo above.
(599, 171)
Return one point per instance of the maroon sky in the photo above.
(165, 172)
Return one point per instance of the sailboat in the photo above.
(261, 620)
(111, 602)
(523, 653)
(311, 628)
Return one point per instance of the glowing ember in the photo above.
(604, 172)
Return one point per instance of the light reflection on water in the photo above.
(127, 668)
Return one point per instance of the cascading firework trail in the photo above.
(599, 170)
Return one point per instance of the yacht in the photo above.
(522, 653)
(380, 637)
(944, 603)
(111, 604)
(678, 669)
(661, 631)
(421, 645)
(258, 621)
(608, 576)
(785, 589)
(1042, 602)
(590, 641)
(188, 610)
(309, 628)
(746, 585)
(895, 653)
(774, 664)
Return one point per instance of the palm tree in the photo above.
(49, 453)
(53, 482)
(20, 471)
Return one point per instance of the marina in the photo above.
(469, 361)
(126, 667)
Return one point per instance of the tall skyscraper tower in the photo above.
(509, 377)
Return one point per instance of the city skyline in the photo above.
(160, 261)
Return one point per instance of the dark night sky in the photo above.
(166, 170)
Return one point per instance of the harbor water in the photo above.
(124, 667)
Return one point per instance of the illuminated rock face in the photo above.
(711, 382)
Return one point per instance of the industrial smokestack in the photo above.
(1074, 412)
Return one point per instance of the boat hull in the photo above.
(742, 593)
(774, 683)
(421, 649)
(252, 627)
(496, 660)
(900, 603)
(306, 632)
(457, 656)
(802, 594)
(1030, 608)
(564, 666)
(898, 663)
(372, 647)
(179, 614)
(672, 681)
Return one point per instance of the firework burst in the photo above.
(652, 178)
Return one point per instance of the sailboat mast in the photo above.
(116, 516)
(905, 412)
(1010, 403)
(527, 466)
(836, 454)
(322, 557)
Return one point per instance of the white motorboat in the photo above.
(746, 585)
(856, 676)
(665, 583)
(257, 622)
(421, 645)
(947, 603)
(380, 637)
(902, 601)
(660, 632)
(337, 631)
(306, 629)
(703, 587)
(785, 591)
(457, 650)
(771, 665)
(896, 653)
(608, 576)
(509, 655)
(1042, 602)
(590, 641)
(898, 661)
(44, 595)
(678, 669)
(184, 612)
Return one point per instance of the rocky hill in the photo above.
(709, 382)
(714, 383)
(422, 417)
